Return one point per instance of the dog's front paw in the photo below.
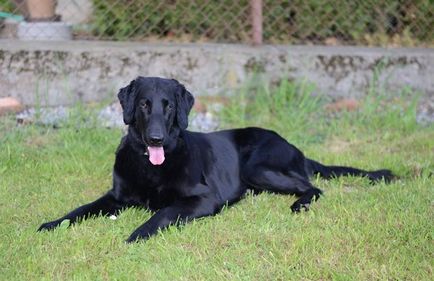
(49, 225)
(137, 236)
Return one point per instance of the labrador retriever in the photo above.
(183, 175)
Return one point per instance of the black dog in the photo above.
(184, 175)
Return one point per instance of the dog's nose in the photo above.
(155, 140)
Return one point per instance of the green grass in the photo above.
(357, 231)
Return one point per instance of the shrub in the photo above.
(6, 6)
(138, 19)
(348, 21)
(295, 21)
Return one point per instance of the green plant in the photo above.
(351, 22)
(127, 19)
(284, 108)
(348, 21)
(7, 6)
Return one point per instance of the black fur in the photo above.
(126, 97)
(201, 172)
(184, 103)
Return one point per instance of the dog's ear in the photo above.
(127, 96)
(184, 103)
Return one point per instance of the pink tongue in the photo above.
(156, 155)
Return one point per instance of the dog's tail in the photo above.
(327, 172)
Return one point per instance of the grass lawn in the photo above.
(357, 231)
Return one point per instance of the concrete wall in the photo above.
(64, 72)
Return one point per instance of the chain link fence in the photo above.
(337, 22)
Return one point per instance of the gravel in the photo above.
(47, 116)
(204, 122)
(425, 114)
(111, 116)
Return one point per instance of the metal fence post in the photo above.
(256, 13)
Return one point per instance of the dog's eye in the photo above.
(144, 104)
(169, 107)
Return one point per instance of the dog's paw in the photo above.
(298, 206)
(303, 203)
(136, 236)
(376, 176)
(49, 225)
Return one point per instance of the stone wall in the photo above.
(53, 73)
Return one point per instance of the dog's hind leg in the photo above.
(263, 179)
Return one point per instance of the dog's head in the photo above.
(156, 110)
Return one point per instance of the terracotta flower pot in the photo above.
(41, 9)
